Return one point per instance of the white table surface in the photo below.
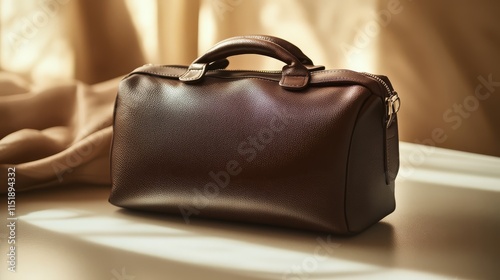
(446, 226)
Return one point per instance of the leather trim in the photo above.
(317, 78)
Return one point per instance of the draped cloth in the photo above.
(60, 63)
(63, 135)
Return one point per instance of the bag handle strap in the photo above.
(293, 49)
(295, 75)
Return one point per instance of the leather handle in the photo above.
(293, 49)
(295, 75)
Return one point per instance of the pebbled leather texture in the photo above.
(237, 146)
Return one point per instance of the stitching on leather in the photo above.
(331, 71)
(329, 79)
(335, 78)
(176, 67)
(195, 77)
(294, 85)
(158, 73)
(147, 71)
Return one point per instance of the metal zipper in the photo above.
(392, 100)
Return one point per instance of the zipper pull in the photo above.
(393, 103)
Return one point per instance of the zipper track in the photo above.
(242, 70)
(392, 101)
(389, 91)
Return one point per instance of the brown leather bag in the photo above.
(304, 147)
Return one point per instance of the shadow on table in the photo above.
(438, 231)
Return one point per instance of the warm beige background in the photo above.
(437, 53)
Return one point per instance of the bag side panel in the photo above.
(368, 197)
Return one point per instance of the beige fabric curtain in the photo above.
(61, 61)
(56, 134)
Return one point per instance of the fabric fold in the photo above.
(55, 135)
